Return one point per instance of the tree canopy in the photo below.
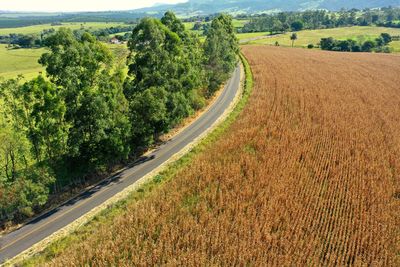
(221, 49)
(87, 115)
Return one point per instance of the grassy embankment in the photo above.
(314, 36)
(119, 209)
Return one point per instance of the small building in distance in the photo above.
(115, 40)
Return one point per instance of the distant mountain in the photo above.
(189, 9)
(201, 7)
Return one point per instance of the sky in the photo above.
(78, 5)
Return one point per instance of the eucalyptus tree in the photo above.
(221, 51)
(82, 70)
(165, 72)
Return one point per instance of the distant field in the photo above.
(19, 61)
(120, 51)
(119, 34)
(72, 25)
(236, 23)
(14, 62)
(396, 46)
(24, 61)
(314, 36)
(249, 35)
(239, 23)
(189, 26)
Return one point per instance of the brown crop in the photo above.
(308, 175)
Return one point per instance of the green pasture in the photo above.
(24, 61)
(236, 23)
(19, 61)
(72, 25)
(244, 36)
(395, 45)
(14, 62)
(306, 37)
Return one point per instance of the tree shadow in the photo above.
(116, 178)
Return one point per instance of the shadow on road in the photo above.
(90, 192)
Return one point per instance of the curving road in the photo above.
(36, 230)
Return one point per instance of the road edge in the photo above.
(70, 228)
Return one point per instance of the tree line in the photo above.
(380, 44)
(322, 19)
(28, 19)
(38, 40)
(86, 114)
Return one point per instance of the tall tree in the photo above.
(24, 181)
(297, 25)
(165, 66)
(44, 110)
(155, 62)
(192, 52)
(221, 50)
(293, 37)
(155, 57)
(82, 70)
(174, 24)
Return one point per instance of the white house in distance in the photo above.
(115, 41)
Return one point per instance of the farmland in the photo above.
(314, 36)
(308, 175)
(14, 62)
(71, 25)
(19, 61)
(24, 61)
(237, 23)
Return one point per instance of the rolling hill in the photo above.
(193, 7)
(189, 9)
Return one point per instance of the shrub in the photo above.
(367, 46)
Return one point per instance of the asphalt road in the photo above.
(18, 241)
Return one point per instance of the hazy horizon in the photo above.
(78, 6)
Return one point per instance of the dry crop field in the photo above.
(308, 175)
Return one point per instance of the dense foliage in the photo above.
(221, 48)
(26, 40)
(166, 72)
(321, 19)
(87, 116)
(377, 45)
